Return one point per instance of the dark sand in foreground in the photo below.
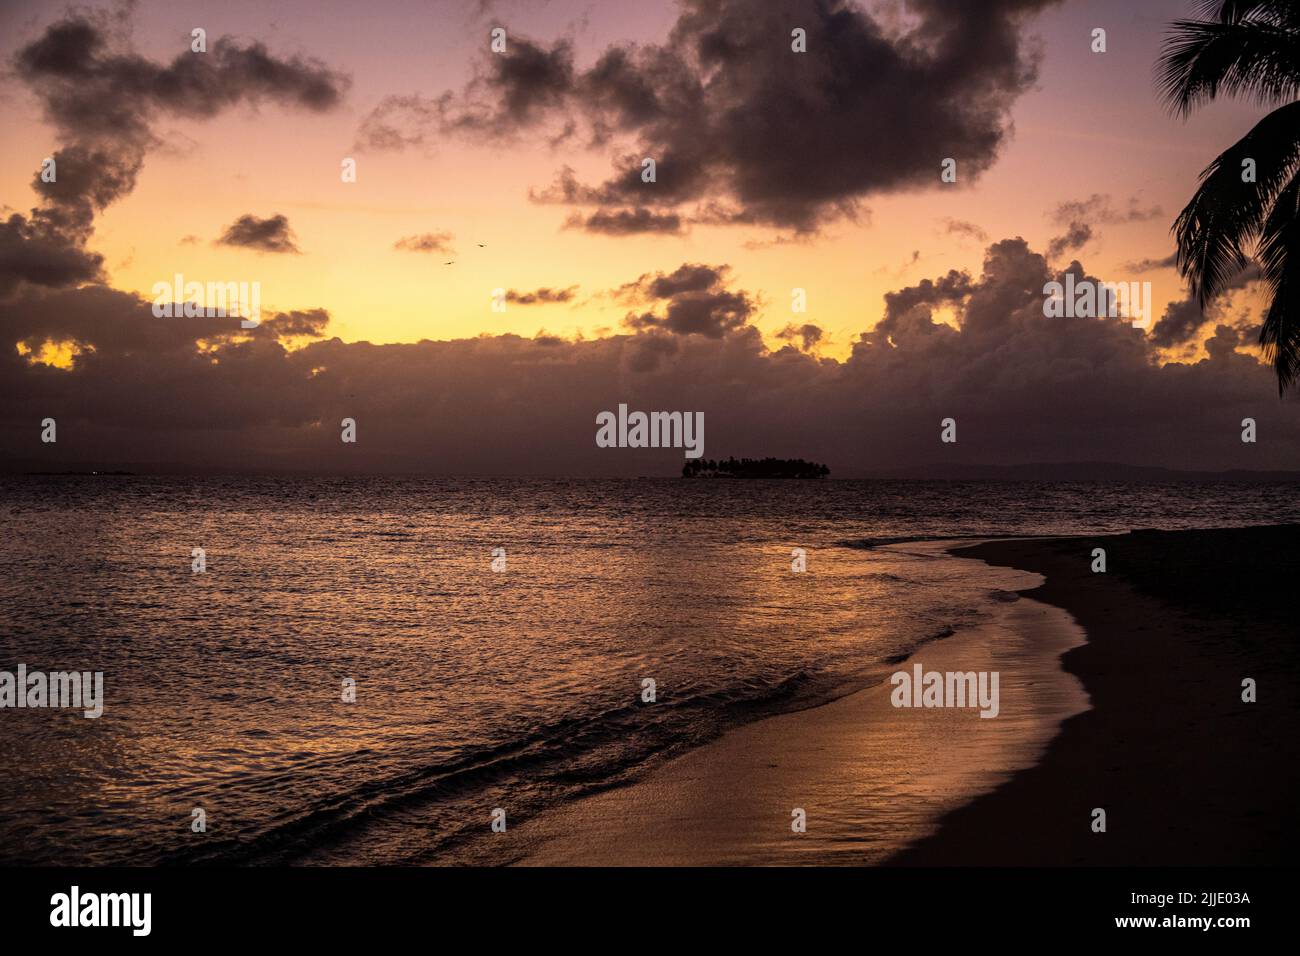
(1187, 772)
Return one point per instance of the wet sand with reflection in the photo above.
(871, 778)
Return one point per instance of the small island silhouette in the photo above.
(754, 468)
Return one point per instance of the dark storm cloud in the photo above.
(1023, 387)
(439, 242)
(737, 112)
(542, 296)
(89, 89)
(271, 234)
(103, 101)
(726, 108)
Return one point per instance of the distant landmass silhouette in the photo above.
(753, 468)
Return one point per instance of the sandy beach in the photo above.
(1188, 773)
(870, 777)
(1143, 719)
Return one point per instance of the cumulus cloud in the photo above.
(89, 88)
(1179, 323)
(949, 289)
(530, 79)
(1023, 387)
(689, 277)
(271, 234)
(88, 178)
(48, 246)
(691, 300)
(712, 314)
(727, 108)
(103, 101)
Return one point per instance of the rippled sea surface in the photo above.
(475, 688)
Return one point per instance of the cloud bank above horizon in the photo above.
(127, 387)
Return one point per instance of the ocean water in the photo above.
(475, 688)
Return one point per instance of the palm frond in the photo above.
(1279, 259)
(1256, 60)
(1217, 227)
(1277, 12)
(1250, 49)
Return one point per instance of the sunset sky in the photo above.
(825, 166)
